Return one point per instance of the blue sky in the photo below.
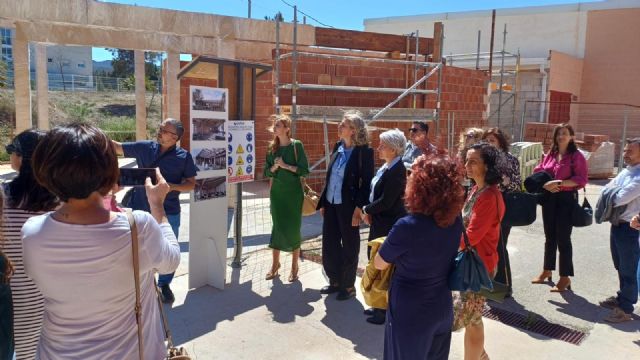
(344, 14)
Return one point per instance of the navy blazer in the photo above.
(388, 201)
(358, 173)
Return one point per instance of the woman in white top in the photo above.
(24, 198)
(80, 255)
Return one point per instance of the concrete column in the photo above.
(141, 91)
(173, 85)
(22, 83)
(42, 86)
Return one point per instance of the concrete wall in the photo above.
(533, 30)
(611, 73)
(75, 60)
(565, 73)
(612, 59)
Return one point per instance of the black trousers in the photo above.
(340, 245)
(503, 273)
(556, 216)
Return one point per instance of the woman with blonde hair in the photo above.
(286, 163)
(468, 137)
(346, 192)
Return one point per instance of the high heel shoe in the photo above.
(293, 276)
(273, 273)
(546, 274)
(563, 284)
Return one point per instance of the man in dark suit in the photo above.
(346, 192)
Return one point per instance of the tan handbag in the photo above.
(311, 198)
(173, 353)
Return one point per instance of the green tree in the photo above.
(124, 66)
(4, 74)
(277, 16)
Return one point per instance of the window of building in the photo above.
(81, 65)
(49, 60)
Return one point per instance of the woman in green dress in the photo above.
(286, 163)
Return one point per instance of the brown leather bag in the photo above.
(173, 353)
(311, 198)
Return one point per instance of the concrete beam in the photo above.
(173, 85)
(141, 92)
(94, 16)
(42, 86)
(22, 83)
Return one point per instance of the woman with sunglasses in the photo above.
(24, 198)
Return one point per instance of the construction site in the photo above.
(454, 71)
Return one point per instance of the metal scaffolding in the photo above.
(511, 95)
(294, 54)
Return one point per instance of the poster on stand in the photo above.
(208, 115)
(242, 153)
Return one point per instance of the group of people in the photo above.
(67, 264)
(66, 261)
(422, 201)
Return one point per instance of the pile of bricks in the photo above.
(540, 132)
(591, 142)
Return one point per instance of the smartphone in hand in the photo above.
(137, 176)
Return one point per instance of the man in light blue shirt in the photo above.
(625, 249)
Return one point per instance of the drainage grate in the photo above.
(535, 325)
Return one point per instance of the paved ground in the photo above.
(253, 318)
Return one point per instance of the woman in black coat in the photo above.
(386, 197)
(346, 192)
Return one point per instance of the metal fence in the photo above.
(84, 83)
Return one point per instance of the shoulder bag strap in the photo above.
(503, 246)
(136, 277)
(303, 182)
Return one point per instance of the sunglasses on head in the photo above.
(13, 148)
(413, 130)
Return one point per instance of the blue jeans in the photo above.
(174, 221)
(625, 252)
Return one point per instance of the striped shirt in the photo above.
(28, 304)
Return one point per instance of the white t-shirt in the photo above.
(85, 274)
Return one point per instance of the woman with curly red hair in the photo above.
(422, 246)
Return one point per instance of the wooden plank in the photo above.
(438, 30)
(363, 40)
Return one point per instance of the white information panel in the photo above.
(208, 213)
(242, 153)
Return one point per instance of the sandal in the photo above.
(273, 273)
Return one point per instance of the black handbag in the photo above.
(582, 215)
(520, 208)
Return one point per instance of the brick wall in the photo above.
(463, 93)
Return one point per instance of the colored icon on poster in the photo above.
(230, 137)
(230, 161)
(249, 169)
(230, 148)
(239, 150)
(239, 172)
(239, 161)
(230, 170)
(249, 148)
(249, 136)
(249, 158)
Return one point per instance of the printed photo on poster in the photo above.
(214, 158)
(208, 129)
(208, 99)
(210, 188)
